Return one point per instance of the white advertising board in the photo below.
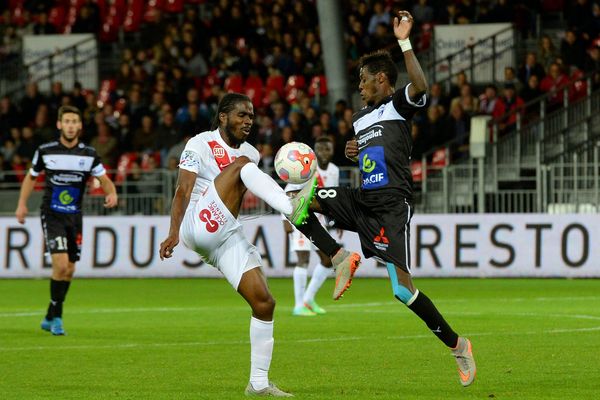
(449, 39)
(461, 245)
(38, 46)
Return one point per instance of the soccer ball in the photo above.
(295, 162)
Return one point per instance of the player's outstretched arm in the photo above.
(26, 189)
(403, 24)
(110, 200)
(181, 199)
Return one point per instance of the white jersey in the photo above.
(206, 155)
(325, 178)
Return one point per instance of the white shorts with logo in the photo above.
(210, 229)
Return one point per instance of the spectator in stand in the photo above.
(531, 92)
(592, 60)
(572, 49)
(421, 142)
(42, 130)
(460, 80)
(31, 101)
(580, 15)
(422, 13)
(381, 37)
(468, 102)
(595, 25)
(193, 63)
(509, 104)
(88, 20)
(298, 126)
(434, 125)
(436, 97)
(9, 118)
(488, 100)
(78, 97)
(28, 145)
(510, 77)
(344, 133)
(380, 15)
(502, 11)
(457, 127)
(547, 52)
(266, 157)
(553, 84)
(106, 145)
(530, 67)
(42, 26)
(145, 138)
(168, 135)
(136, 108)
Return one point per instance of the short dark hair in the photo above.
(227, 104)
(380, 61)
(324, 139)
(68, 110)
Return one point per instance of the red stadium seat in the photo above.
(318, 84)
(295, 82)
(253, 88)
(234, 83)
(18, 16)
(275, 82)
(56, 17)
(174, 6)
(124, 166)
(439, 159)
(209, 82)
(416, 167)
(153, 7)
(134, 15)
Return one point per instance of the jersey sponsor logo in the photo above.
(213, 217)
(220, 154)
(364, 138)
(65, 200)
(380, 241)
(373, 168)
(66, 179)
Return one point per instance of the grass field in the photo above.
(188, 339)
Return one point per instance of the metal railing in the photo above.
(70, 64)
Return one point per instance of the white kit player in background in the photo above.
(215, 170)
(328, 174)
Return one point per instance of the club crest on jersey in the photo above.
(220, 154)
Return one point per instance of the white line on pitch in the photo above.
(315, 340)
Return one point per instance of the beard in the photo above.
(232, 138)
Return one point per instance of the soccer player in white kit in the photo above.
(328, 174)
(215, 170)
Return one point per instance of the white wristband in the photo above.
(405, 44)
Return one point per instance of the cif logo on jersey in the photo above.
(221, 156)
(373, 168)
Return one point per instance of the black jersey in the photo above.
(67, 171)
(383, 133)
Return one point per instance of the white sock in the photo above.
(263, 186)
(300, 277)
(318, 277)
(261, 350)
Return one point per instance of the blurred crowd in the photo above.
(176, 66)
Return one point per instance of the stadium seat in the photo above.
(56, 17)
(294, 82)
(318, 84)
(174, 6)
(134, 15)
(234, 83)
(275, 82)
(124, 166)
(17, 16)
(153, 7)
(439, 159)
(253, 88)
(416, 168)
(250, 202)
(210, 81)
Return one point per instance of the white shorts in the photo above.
(210, 229)
(299, 242)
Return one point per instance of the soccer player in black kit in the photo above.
(381, 209)
(68, 164)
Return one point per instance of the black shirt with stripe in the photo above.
(67, 172)
(383, 133)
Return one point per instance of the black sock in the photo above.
(426, 310)
(58, 291)
(313, 230)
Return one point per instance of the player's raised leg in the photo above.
(423, 307)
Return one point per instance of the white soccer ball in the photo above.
(295, 162)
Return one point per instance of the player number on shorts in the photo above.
(327, 193)
(211, 225)
(61, 243)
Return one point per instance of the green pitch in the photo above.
(188, 339)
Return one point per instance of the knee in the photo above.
(402, 293)
(239, 162)
(264, 308)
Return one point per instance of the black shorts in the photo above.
(381, 219)
(62, 233)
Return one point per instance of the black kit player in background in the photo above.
(381, 209)
(68, 164)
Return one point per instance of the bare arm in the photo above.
(181, 199)
(110, 200)
(402, 26)
(26, 189)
